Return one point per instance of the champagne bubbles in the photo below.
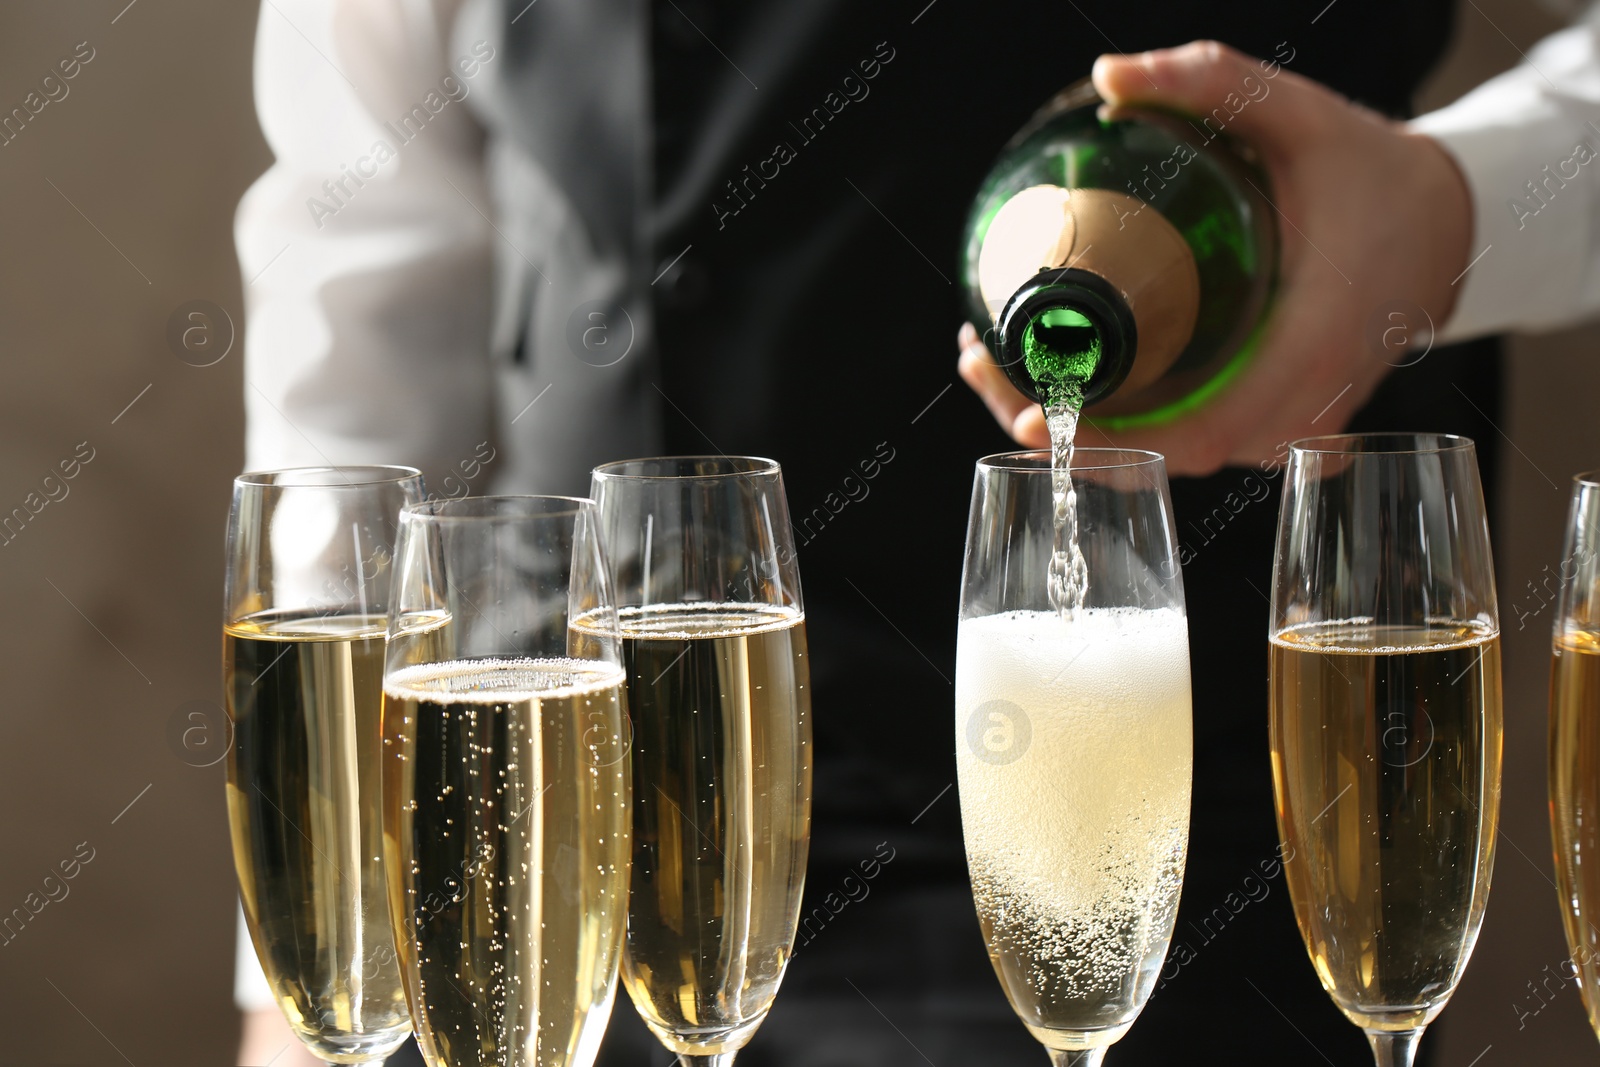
(1407, 734)
(605, 742)
(1076, 817)
(998, 732)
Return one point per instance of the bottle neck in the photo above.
(1052, 256)
(1067, 337)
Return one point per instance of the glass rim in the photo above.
(503, 508)
(1351, 444)
(735, 467)
(356, 476)
(1589, 478)
(1083, 459)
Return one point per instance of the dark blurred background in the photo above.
(116, 206)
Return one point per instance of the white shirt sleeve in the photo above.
(1528, 143)
(365, 254)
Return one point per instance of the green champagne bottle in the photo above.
(1120, 260)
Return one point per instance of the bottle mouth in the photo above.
(1066, 337)
(1061, 347)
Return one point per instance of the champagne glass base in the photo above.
(712, 1047)
(1394, 1048)
(1078, 1057)
(350, 1050)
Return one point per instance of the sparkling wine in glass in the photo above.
(505, 780)
(1073, 743)
(714, 641)
(309, 564)
(1385, 721)
(1575, 739)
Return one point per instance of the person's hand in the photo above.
(1369, 214)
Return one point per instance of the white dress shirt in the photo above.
(367, 327)
(412, 271)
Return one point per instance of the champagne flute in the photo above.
(1575, 739)
(505, 780)
(1385, 721)
(309, 554)
(713, 637)
(1073, 743)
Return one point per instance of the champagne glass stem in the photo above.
(720, 1059)
(1394, 1049)
(1086, 1057)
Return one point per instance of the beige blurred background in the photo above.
(116, 205)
